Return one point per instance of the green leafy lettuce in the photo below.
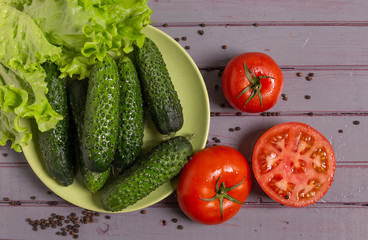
(72, 33)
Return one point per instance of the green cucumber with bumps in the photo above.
(131, 131)
(101, 117)
(77, 92)
(158, 90)
(55, 144)
(158, 166)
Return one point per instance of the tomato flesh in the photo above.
(294, 164)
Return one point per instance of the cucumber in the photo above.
(55, 145)
(158, 90)
(150, 171)
(77, 92)
(101, 117)
(131, 129)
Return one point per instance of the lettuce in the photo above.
(88, 29)
(74, 34)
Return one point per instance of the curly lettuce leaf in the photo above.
(23, 48)
(88, 29)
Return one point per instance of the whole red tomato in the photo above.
(214, 184)
(252, 82)
(294, 164)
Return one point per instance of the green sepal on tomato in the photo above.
(252, 82)
(214, 184)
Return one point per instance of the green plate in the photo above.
(192, 92)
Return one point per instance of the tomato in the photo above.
(214, 184)
(252, 82)
(294, 164)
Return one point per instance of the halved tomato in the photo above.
(294, 164)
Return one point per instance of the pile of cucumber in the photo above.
(103, 127)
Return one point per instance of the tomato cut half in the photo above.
(294, 164)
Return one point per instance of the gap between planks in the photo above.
(263, 23)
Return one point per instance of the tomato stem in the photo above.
(255, 85)
(222, 192)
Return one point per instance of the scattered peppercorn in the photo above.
(238, 113)
(231, 129)
(307, 97)
(165, 25)
(177, 39)
(299, 74)
(217, 86)
(311, 74)
(256, 24)
(202, 25)
(180, 227)
(310, 114)
(187, 47)
(222, 105)
(163, 222)
(184, 38)
(200, 32)
(341, 131)
(174, 220)
(6, 199)
(309, 78)
(5, 154)
(237, 128)
(33, 197)
(286, 197)
(218, 114)
(144, 211)
(224, 46)
(356, 122)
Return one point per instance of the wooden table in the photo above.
(326, 37)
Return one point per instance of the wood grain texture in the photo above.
(328, 38)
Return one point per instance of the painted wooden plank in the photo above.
(348, 145)
(290, 46)
(21, 184)
(254, 223)
(204, 11)
(330, 91)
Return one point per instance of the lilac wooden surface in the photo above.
(328, 38)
